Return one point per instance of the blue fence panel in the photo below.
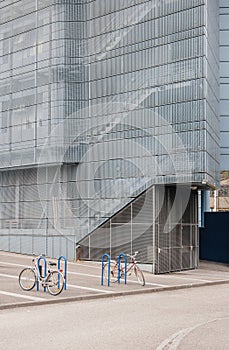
(214, 237)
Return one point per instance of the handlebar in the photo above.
(132, 256)
(38, 257)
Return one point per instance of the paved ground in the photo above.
(84, 282)
(185, 319)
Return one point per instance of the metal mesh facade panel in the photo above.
(224, 81)
(106, 99)
(166, 251)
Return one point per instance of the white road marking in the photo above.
(16, 295)
(83, 274)
(128, 281)
(175, 339)
(87, 288)
(8, 276)
(82, 264)
(12, 264)
(68, 285)
(193, 279)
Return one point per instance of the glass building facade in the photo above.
(109, 125)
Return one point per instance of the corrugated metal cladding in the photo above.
(167, 242)
(100, 101)
(224, 83)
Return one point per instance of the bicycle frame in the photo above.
(39, 277)
(129, 267)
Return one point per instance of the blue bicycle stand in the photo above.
(108, 259)
(122, 255)
(63, 258)
(39, 266)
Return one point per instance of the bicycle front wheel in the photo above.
(27, 279)
(113, 272)
(139, 275)
(55, 282)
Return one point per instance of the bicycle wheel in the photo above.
(55, 282)
(27, 279)
(113, 272)
(139, 275)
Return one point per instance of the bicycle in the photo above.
(132, 269)
(29, 276)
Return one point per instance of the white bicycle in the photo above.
(29, 276)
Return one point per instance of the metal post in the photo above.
(122, 255)
(109, 269)
(64, 270)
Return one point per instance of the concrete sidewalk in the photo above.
(84, 282)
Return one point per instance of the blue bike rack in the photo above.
(64, 270)
(109, 269)
(122, 255)
(39, 266)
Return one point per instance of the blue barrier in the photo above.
(109, 269)
(39, 266)
(122, 255)
(63, 270)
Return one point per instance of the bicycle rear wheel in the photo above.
(55, 282)
(113, 272)
(139, 275)
(27, 279)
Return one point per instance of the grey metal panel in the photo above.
(39, 245)
(15, 243)
(224, 161)
(27, 244)
(63, 246)
(70, 248)
(49, 247)
(56, 241)
(175, 259)
(4, 242)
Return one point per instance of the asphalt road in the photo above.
(196, 318)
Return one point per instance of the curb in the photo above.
(112, 294)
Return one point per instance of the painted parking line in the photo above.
(128, 281)
(68, 285)
(12, 264)
(194, 279)
(16, 295)
(8, 276)
(87, 288)
(94, 265)
(180, 277)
